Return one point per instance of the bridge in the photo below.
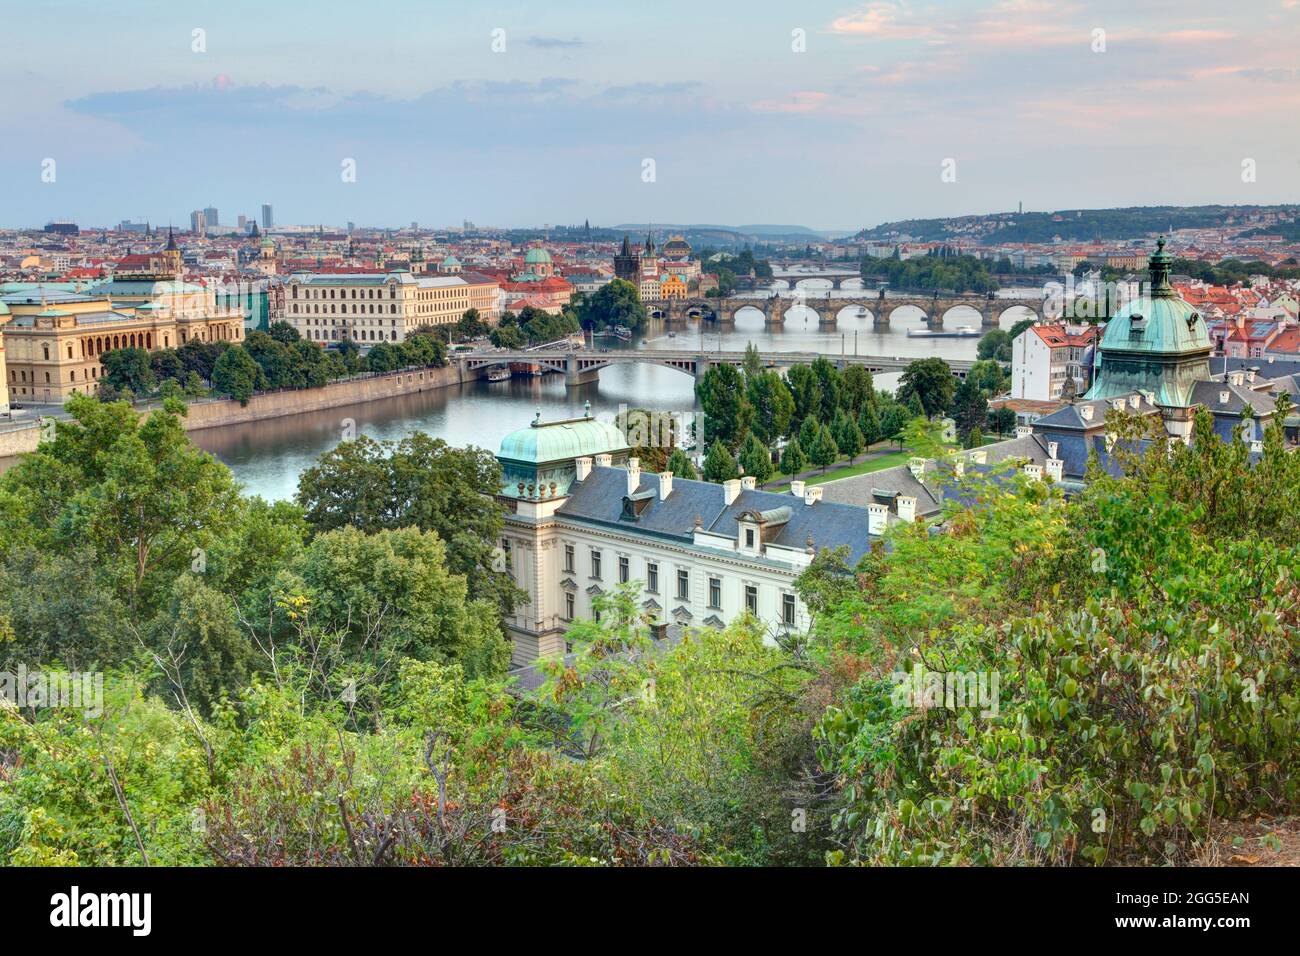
(775, 308)
(581, 367)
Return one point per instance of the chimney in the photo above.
(796, 488)
(633, 475)
(877, 518)
(812, 495)
(917, 467)
(584, 467)
(1235, 378)
(1118, 404)
(730, 490)
(665, 484)
(1034, 472)
(1085, 412)
(1051, 449)
(604, 461)
(1134, 401)
(1250, 374)
(906, 508)
(1224, 395)
(748, 482)
(1055, 469)
(1024, 431)
(979, 457)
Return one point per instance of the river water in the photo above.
(267, 456)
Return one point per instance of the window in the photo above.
(787, 609)
(715, 592)
(749, 537)
(652, 578)
(751, 599)
(505, 552)
(568, 558)
(624, 571)
(568, 605)
(683, 585)
(595, 564)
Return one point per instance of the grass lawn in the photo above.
(861, 468)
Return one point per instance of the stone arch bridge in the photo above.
(827, 308)
(583, 366)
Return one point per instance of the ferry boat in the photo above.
(499, 373)
(672, 335)
(961, 332)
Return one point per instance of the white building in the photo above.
(583, 519)
(370, 307)
(1045, 356)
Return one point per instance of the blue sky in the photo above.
(852, 130)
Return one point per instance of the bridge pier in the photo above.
(987, 319)
(574, 374)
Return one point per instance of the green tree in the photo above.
(994, 345)
(618, 302)
(895, 420)
(728, 415)
(129, 369)
(680, 465)
(772, 403)
(858, 389)
(237, 375)
(824, 451)
(719, 465)
(793, 459)
(932, 382)
(756, 459)
(848, 437)
(422, 482)
(870, 427)
(969, 408)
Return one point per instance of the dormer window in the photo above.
(749, 538)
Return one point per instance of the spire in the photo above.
(1160, 264)
(171, 239)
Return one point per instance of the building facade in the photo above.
(583, 520)
(372, 307)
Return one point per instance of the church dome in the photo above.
(537, 257)
(677, 248)
(1156, 343)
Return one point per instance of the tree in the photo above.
(1002, 420)
(422, 482)
(470, 326)
(793, 460)
(284, 333)
(680, 465)
(806, 392)
(848, 437)
(829, 387)
(237, 375)
(915, 407)
(129, 369)
(719, 465)
(932, 382)
(989, 377)
(969, 409)
(508, 337)
(753, 361)
(756, 459)
(859, 389)
(166, 364)
(727, 412)
(618, 302)
(894, 421)
(824, 451)
(772, 403)
(391, 594)
(383, 357)
(870, 427)
(995, 345)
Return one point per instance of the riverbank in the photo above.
(216, 413)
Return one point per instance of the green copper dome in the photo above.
(1156, 343)
(543, 454)
(537, 256)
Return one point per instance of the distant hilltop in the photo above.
(1082, 225)
(736, 233)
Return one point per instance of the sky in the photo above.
(832, 115)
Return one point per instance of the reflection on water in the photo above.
(268, 456)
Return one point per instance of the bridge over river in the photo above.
(882, 307)
(583, 366)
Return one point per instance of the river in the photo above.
(267, 456)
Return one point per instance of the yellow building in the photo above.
(672, 286)
(55, 340)
(372, 307)
(4, 377)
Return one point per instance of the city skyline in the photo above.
(837, 116)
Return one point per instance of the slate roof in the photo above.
(599, 499)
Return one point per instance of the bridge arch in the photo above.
(1012, 314)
